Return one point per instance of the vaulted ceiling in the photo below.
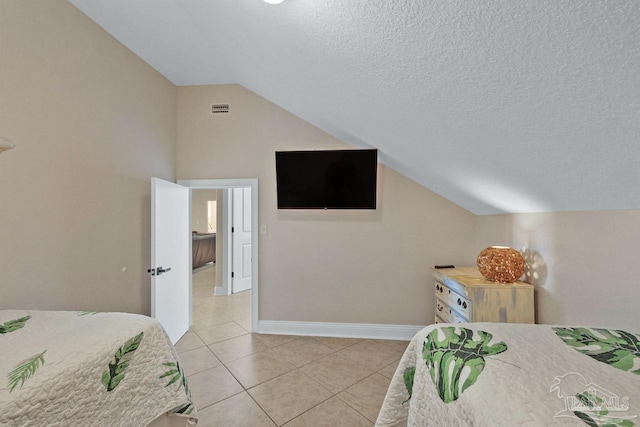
(498, 105)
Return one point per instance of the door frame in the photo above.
(210, 184)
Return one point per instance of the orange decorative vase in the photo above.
(500, 264)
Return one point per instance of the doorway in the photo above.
(241, 196)
(207, 249)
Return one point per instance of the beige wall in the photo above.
(326, 266)
(586, 263)
(92, 123)
(200, 210)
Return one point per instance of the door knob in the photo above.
(158, 271)
(161, 270)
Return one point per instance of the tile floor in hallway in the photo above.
(243, 379)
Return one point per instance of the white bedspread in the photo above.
(495, 374)
(87, 369)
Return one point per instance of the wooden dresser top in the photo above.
(471, 277)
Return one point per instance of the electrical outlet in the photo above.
(263, 229)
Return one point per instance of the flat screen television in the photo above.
(327, 179)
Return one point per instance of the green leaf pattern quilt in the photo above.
(71, 368)
(498, 374)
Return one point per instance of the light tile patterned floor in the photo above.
(242, 379)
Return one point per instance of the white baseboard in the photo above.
(341, 330)
(220, 290)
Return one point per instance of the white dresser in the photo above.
(463, 295)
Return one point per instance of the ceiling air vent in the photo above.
(219, 109)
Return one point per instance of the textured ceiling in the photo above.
(500, 106)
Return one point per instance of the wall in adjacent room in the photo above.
(220, 238)
(92, 123)
(584, 264)
(323, 266)
(200, 209)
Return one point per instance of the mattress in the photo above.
(88, 368)
(498, 374)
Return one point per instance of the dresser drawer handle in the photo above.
(464, 304)
(459, 301)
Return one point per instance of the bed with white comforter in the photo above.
(88, 369)
(497, 374)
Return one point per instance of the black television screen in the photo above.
(333, 179)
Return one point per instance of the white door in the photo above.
(170, 246)
(241, 231)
